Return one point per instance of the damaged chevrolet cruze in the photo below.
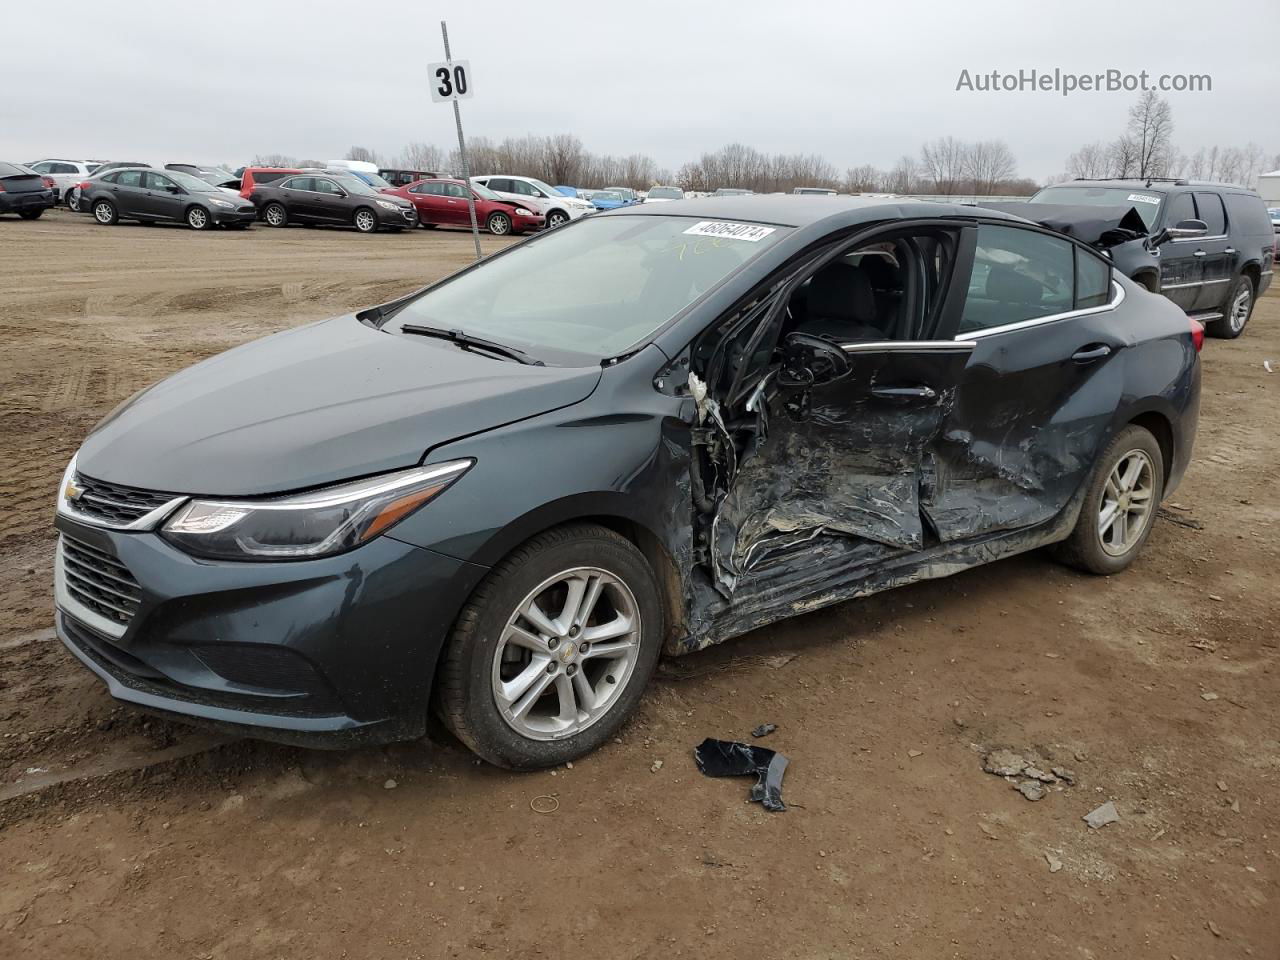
(499, 499)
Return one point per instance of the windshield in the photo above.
(353, 184)
(592, 290)
(548, 190)
(190, 183)
(1145, 201)
(606, 195)
(626, 193)
(375, 181)
(214, 175)
(483, 192)
(666, 193)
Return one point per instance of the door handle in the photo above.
(904, 394)
(1229, 250)
(1094, 351)
(1198, 253)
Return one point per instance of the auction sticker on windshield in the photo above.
(730, 231)
(1143, 198)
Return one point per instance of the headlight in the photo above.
(521, 211)
(387, 204)
(308, 525)
(220, 203)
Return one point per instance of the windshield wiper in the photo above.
(468, 342)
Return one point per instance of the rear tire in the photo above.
(1120, 506)
(30, 214)
(72, 199)
(1235, 312)
(105, 213)
(579, 697)
(365, 220)
(499, 224)
(276, 215)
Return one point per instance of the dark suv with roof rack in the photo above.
(1208, 247)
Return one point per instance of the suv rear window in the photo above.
(1249, 214)
(267, 176)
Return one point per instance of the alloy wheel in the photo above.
(556, 219)
(73, 200)
(566, 653)
(365, 221)
(1239, 313)
(103, 213)
(1127, 505)
(197, 218)
(275, 215)
(499, 225)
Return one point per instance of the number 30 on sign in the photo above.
(450, 81)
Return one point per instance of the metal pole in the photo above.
(462, 150)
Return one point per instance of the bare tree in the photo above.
(864, 179)
(362, 153)
(902, 178)
(1122, 157)
(422, 156)
(564, 157)
(1089, 162)
(988, 163)
(273, 160)
(1151, 130)
(943, 162)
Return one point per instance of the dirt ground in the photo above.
(129, 837)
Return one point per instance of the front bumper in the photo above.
(397, 217)
(327, 652)
(520, 224)
(222, 216)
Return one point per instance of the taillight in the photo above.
(48, 183)
(1197, 334)
(84, 186)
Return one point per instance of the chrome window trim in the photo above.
(902, 346)
(73, 608)
(1216, 236)
(1115, 301)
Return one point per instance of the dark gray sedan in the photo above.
(151, 196)
(333, 198)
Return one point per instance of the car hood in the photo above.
(1098, 226)
(327, 402)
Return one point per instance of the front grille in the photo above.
(114, 503)
(99, 581)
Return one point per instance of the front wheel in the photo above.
(366, 221)
(198, 218)
(556, 218)
(553, 650)
(275, 215)
(104, 211)
(499, 224)
(1238, 310)
(31, 214)
(1120, 505)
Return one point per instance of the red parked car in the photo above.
(444, 203)
(261, 176)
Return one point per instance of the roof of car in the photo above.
(1146, 183)
(789, 210)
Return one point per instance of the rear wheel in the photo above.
(1236, 313)
(104, 211)
(198, 218)
(553, 650)
(30, 214)
(275, 215)
(365, 220)
(1120, 506)
(72, 198)
(499, 224)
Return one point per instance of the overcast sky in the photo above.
(857, 82)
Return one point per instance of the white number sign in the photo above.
(450, 81)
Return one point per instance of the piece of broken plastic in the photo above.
(764, 729)
(728, 758)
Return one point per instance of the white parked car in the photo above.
(658, 194)
(537, 196)
(65, 174)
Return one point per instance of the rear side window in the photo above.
(1209, 206)
(129, 178)
(1093, 280)
(267, 176)
(1249, 214)
(500, 183)
(299, 183)
(1017, 275)
(111, 178)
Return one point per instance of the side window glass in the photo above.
(1209, 206)
(327, 186)
(45, 167)
(156, 181)
(299, 183)
(524, 189)
(500, 183)
(1180, 208)
(1093, 280)
(434, 189)
(454, 190)
(1017, 275)
(130, 178)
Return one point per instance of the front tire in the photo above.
(499, 224)
(365, 220)
(1119, 509)
(275, 215)
(1236, 314)
(31, 214)
(104, 211)
(198, 218)
(553, 650)
(556, 218)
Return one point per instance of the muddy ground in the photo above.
(129, 837)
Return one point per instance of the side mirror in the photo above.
(809, 361)
(174, 190)
(1182, 230)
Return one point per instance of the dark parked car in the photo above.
(332, 198)
(1208, 247)
(504, 495)
(72, 196)
(253, 177)
(25, 192)
(157, 196)
(402, 178)
(443, 203)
